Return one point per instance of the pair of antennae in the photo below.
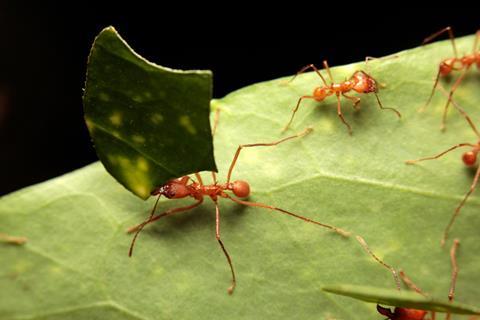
(407, 280)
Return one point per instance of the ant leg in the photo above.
(437, 78)
(295, 111)
(355, 100)
(216, 117)
(457, 210)
(370, 252)
(214, 177)
(199, 178)
(453, 259)
(410, 283)
(450, 95)
(460, 145)
(310, 66)
(151, 219)
(325, 64)
(464, 114)
(11, 239)
(240, 147)
(266, 206)
(384, 108)
(214, 130)
(369, 58)
(475, 43)
(340, 114)
(229, 260)
(438, 33)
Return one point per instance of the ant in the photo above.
(360, 82)
(469, 158)
(400, 313)
(12, 239)
(448, 65)
(186, 187)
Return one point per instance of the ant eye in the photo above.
(469, 158)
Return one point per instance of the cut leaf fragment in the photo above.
(149, 123)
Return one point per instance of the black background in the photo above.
(44, 47)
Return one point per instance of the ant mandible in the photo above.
(400, 313)
(469, 158)
(186, 187)
(360, 82)
(448, 65)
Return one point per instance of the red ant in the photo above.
(360, 82)
(469, 158)
(183, 187)
(448, 65)
(400, 313)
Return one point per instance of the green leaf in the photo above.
(404, 299)
(149, 123)
(75, 264)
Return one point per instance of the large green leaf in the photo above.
(404, 299)
(149, 123)
(75, 264)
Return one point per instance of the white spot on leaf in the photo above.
(116, 118)
(187, 124)
(156, 118)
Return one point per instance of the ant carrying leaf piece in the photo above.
(469, 158)
(409, 305)
(187, 187)
(448, 65)
(149, 123)
(360, 82)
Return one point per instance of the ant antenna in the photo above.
(392, 270)
(438, 33)
(410, 283)
(141, 226)
(453, 259)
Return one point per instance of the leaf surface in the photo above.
(75, 264)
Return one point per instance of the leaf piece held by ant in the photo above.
(149, 123)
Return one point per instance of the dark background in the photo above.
(44, 47)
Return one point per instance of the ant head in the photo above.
(469, 158)
(320, 93)
(364, 83)
(409, 314)
(173, 189)
(241, 188)
(446, 66)
(385, 312)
